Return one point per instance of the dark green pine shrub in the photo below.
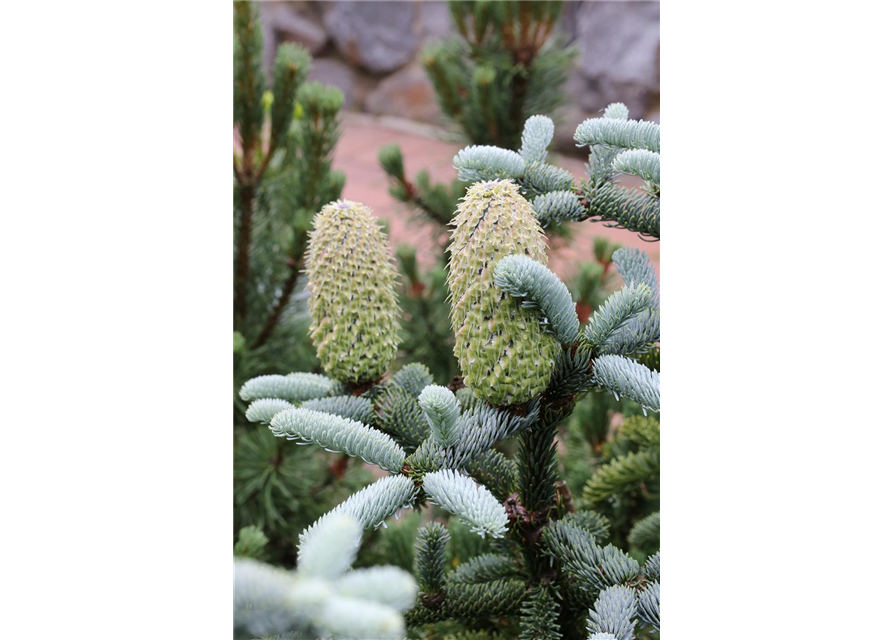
(508, 63)
(284, 136)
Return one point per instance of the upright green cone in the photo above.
(353, 301)
(503, 352)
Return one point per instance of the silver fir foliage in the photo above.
(536, 138)
(323, 598)
(615, 613)
(621, 307)
(487, 163)
(371, 506)
(264, 409)
(351, 407)
(540, 289)
(619, 134)
(629, 379)
(557, 207)
(462, 496)
(341, 435)
(639, 162)
(442, 412)
(617, 110)
(643, 330)
(295, 387)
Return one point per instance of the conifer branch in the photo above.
(539, 615)
(322, 598)
(290, 69)
(248, 87)
(540, 177)
(263, 602)
(643, 330)
(496, 598)
(591, 568)
(487, 163)
(617, 311)
(521, 277)
(430, 558)
(556, 207)
(251, 542)
(652, 567)
(628, 378)
(350, 618)
(649, 606)
(634, 267)
(264, 409)
(371, 506)
(442, 412)
(484, 568)
(620, 474)
(338, 434)
(413, 378)
(639, 162)
(619, 134)
(331, 549)
(536, 137)
(572, 373)
(643, 430)
(631, 209)
(401, 416)
(295, 387)
(389, 586)
(483, 427)
(537, 473)
(617, 111)
(350, 407)
(596, 524)
(645, 534)
(460, 495)
(615, 613)
(496, 472)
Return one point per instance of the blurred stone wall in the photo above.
(369, 50)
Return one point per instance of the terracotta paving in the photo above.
(425, 148)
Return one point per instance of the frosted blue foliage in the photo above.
(340, 435)
(488, 163)
(442, 413)
(630, 379)
(540, 289)
(615, 613)
(536, 137)
(295, 387)
(639, 162)
(462, 496)
(619, 134)
(556, 207)
(264, 409)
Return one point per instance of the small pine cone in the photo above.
(353, 301)
(503, 352)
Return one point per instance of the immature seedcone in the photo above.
(504, 353)
(352, 296)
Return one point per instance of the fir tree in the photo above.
(526, 359)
